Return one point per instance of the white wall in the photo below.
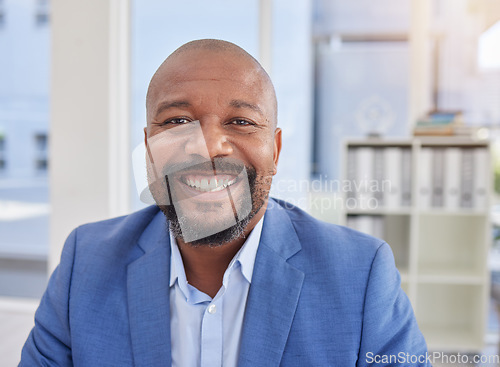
(88, 102)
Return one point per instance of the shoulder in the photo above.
(341, 265)
(115, 237)
(120, 226)
(326, 236)
(333, 251)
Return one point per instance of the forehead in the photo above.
(195, 69)
(200, 64)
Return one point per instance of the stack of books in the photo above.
(439, 123)
(371, 224)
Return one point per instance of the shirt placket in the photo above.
(211, 334)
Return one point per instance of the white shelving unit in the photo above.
(440, 251)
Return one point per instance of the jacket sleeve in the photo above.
(49, 343)
(390, 334)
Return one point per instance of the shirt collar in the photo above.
(245, 257)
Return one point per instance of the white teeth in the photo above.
(204, 184)
(209, 185)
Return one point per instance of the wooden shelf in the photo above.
(412, 210)
(380, 211)
(378, 142)
(450, 276)
(453, 213)
(456, 141)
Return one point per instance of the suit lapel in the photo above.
(274, 292)
(148, 297)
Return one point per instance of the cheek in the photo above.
(162, 150)
(261, 156)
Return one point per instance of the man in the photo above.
(231, 278)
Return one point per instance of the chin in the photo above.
(197, 232)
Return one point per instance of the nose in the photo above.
(209, 140)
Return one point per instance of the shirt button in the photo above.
(212, 309)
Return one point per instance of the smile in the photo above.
(212, 183)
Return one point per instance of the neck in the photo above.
(205, 266)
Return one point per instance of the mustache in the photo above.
(215, 165)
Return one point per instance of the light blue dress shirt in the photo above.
(206, 332)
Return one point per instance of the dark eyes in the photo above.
(182, 121)
(176, 121)
(241, 122)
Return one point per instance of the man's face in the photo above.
(212, 144)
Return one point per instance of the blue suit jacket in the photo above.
(321, 295)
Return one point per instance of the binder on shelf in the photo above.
(351, 171)
(393, 162)
(378, 175)
(452, 178)
(364, 174)
(425, 178)
(373, 225)
(467, 178)
(481, 178)
(406, 178)
(438, 177)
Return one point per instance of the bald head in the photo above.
(213, 45)
(196, 53)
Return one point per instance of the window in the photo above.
(42, 19)
(24, 130)
(42, 13)
(41, 141)
(2, 14)
(488, 52)
(41, 144)
(3, 163)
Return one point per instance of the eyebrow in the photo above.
(238, 103)
(171, 104)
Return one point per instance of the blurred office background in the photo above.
(73, 79)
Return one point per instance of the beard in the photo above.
(192, 226)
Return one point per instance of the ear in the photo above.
(146, 137)
(277, 149)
